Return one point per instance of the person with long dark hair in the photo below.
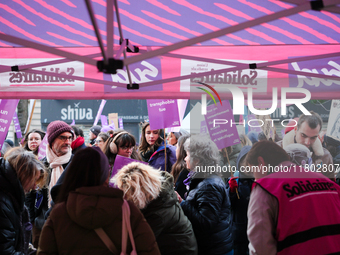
(33, 139)
(179, 170)
(101, 140)
(152, 149)
(86, 203)
(120, 143)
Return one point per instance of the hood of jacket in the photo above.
(167, 197)
(10, 184)
(95, 207)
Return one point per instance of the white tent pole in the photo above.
(109, 28)
(79, 78)
(184, 77)
(95, 26)
(48, 49)
(120, 50)
(307, 74)
(303, 7)
(45, 63)
(122, 38)
(259, 65)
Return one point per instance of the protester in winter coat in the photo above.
(291, 210)
(32, 142)
(174, 136)
(87, 203)
(79, 142)
(101, 139)
(58, 156)
(20, 171)
(33, 139)
(207, 205)
(152, 192)
(93, 133)
(239, 188)
(307, 133)
(120, 143)
(179, 170)
(152, 149)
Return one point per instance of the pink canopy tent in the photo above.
(51, 49)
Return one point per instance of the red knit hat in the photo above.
(55, 128)
(291, 123)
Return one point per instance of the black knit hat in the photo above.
(55, 128)
(95, 130)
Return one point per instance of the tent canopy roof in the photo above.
(50, 49)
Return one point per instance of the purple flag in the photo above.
(120, 123)
(120, 162)
(223, 134)
(108, 128)
(182, 105)
(163, 113)
(73, 122)
(17, 126)
(42, 147)
(103, 120)
(7, 110)
(99, 113)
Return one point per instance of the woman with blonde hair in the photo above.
(152, 192)
(20, 171)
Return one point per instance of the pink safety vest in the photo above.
(308, 212)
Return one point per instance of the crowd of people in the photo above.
(283, 198)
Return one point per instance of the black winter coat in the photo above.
(208, 208)
(180, 186)
(15, 229)
(239, 208)
(173, 230)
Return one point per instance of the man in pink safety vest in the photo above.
(292, 210)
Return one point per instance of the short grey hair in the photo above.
(203, 151)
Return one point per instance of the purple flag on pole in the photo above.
(7, 110)
(99, 113)
(182, 105)
(223, 135)
(103, 120)
(120, 123)
(42, 147)
(17, 126)
(163, 113)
